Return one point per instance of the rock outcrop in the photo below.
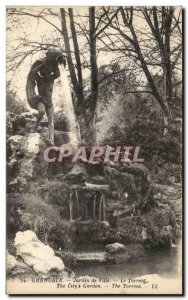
(22, 164)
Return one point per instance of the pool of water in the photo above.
(163, 263)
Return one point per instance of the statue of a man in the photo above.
(43, 73)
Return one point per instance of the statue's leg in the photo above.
(41, 112)
(50, 115)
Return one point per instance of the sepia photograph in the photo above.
(94, 121)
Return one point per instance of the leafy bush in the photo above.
(167, 149)
(38, 215)
(14, 206)
(60, 121)
(30, 212)
(137, 119)
(14, 104)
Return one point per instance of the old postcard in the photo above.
(94, 150)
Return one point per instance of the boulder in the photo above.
(24, 146)
(39, 256)
(24, 164)
(16, 143)
(133, 252)
(9, 123)
(17, 268)
(115, 248)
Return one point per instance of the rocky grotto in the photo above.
(60, 206)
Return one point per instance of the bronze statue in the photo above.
(43, 73)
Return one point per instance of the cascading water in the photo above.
(104, 209)
(77, 202)
(71, 206)
(94, 205)
(63, 100)
(100, 208)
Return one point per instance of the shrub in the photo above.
(14, 104)
(30, 212)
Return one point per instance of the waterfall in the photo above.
(100, 208)
(70, 207)
(94, 205)
(78, 207)
(82, 208)
(64, 100)
(104, 208)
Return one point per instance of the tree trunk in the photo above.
(93, 56)
(166, 98)
(167, 70)
(87, 127)
(80, 95)
(161, 99)
(68, 50)
(84, 106)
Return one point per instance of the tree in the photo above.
(149, 49)
(13, 103)
(84, 103)
(153, 49)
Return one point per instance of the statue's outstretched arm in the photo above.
(36, 67)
